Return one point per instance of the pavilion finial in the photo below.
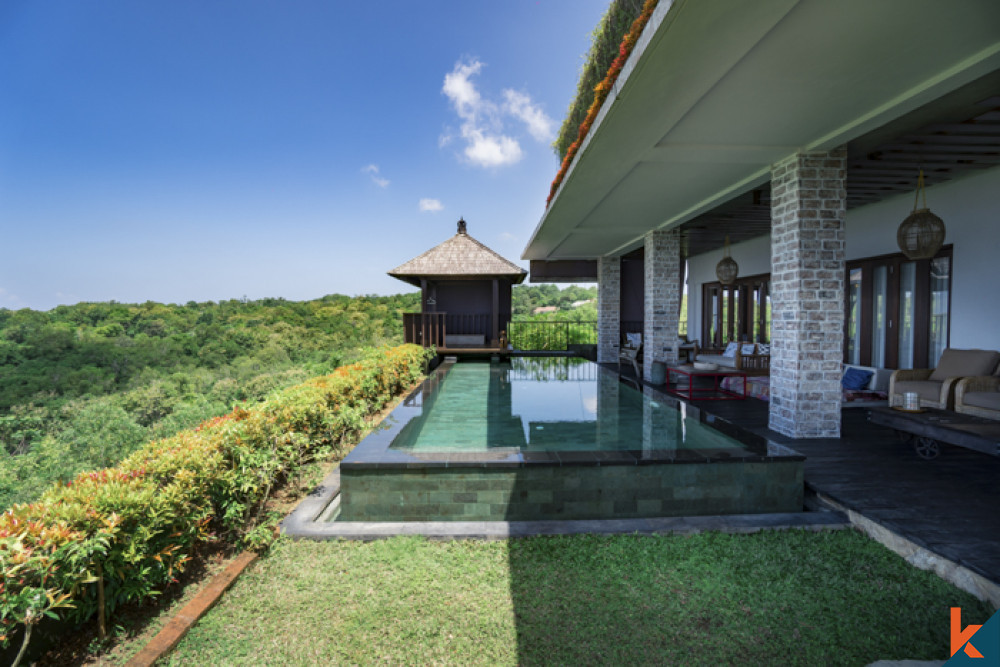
(461, 226)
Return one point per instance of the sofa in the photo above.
(870, 389)
(750, 358)
(979, 396)
(936, 386)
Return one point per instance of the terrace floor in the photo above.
(948, 505)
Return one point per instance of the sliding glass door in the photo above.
(897, 311)
(741, 311)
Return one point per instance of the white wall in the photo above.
(970, 208)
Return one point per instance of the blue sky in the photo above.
(175, 151)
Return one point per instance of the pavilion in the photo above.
(465, 296)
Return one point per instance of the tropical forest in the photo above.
(83, 386)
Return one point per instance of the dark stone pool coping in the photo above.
(374, 452)
(304, 523)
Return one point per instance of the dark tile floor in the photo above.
(950, 505)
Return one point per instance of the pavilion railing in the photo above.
(426, 329)
(432, 329)
(550, 336)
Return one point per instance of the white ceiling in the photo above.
(717, 91)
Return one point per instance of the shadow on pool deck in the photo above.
(947, 505)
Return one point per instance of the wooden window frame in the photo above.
(735, 326)
(921, 308)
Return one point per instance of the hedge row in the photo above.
(121, 534)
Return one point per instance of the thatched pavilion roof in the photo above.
(459, 258)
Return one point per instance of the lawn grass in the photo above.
(768, 598)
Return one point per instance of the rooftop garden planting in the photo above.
(612, 43)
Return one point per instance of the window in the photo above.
(898, 310)
(740, 312)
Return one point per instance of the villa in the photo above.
(763, 159)
(797, 130)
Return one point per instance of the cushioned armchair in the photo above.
(979, 396)
(936, 386)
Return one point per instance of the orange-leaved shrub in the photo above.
(122, 534)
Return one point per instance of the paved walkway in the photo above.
(950, 506)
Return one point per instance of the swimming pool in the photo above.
(556, 438)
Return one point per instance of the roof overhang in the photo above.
(417, 280)
(717, 92)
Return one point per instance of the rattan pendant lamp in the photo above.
(921, 235)
(727, 269)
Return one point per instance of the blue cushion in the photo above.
(855, 378)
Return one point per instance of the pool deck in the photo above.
(939, 514)
(948, 507)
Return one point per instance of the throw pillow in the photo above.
(747, 349)
(763, 348)
(855, 379)
(731, 349)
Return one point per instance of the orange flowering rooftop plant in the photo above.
(601, 91)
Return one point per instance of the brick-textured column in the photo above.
(808, 203)
(663, 297)
(609, 302)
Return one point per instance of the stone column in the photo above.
(808, 204)
(609, 318)
(663, 297)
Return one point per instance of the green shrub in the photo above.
(121, 534)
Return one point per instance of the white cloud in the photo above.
(507, 236)
(431, 205)
(482, 128)
(461, 91)
(519, 105)
(490, 151)
(372, 170)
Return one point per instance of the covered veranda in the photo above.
(796, 129)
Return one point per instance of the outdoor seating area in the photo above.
(750, 358)
(937, 387)
(862, 386)
(979, 396)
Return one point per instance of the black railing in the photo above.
(427, 329)
(550, 336)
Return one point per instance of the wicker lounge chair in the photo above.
(979, 396)
(936, 386)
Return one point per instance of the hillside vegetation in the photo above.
(83, 386)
